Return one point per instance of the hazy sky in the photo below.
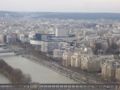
(61, 5)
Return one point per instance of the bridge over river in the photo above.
(59, 86)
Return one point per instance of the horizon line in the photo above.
(57, 12)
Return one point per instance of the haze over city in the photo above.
(61, 5)
(59, 44)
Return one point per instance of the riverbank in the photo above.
(38, 72)
(76, 76)
(41, 58)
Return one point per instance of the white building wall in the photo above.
(35, 42)
(48, 46)
(2, 39)
(57, 53)
(61, 32)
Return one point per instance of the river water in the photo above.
(3, 79)
(37, 72)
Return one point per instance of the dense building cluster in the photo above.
(91, 45)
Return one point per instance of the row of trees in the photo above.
(14, 75)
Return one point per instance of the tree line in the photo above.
(14, 75)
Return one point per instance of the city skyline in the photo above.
(107, 6)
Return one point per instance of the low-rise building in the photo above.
(57, 53)
(11, 38)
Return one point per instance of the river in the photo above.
(3, 79)
(37, 72)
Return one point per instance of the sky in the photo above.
(61, 5)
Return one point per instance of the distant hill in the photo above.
(36, 15)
